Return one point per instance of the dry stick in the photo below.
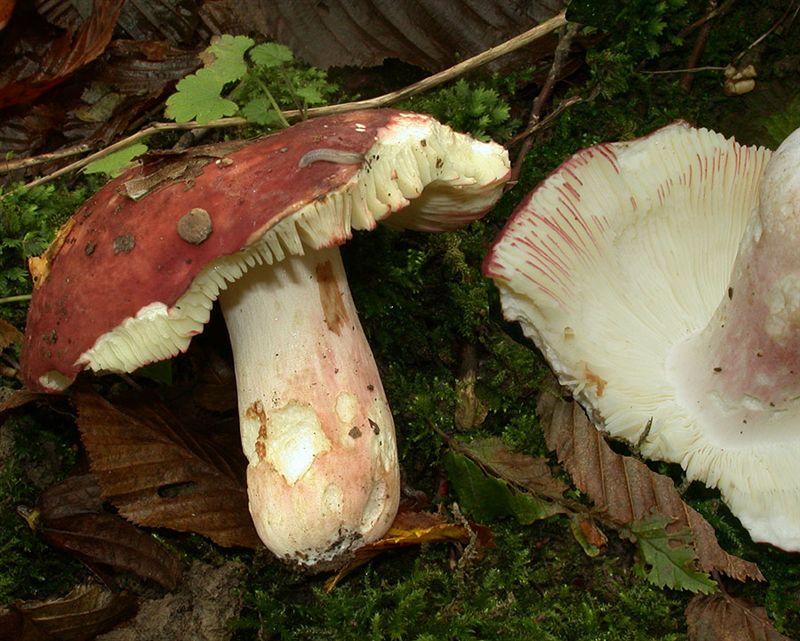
(548, 26)
(777, 24)
(544, 122)
(714, 13)
(560, 55)
(23, 163)
(697, 50)
(21, 298)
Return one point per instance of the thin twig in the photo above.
(425, 84)
(714, 13)
(692, 70)
(23, 163)
(21, 298)
(549, 118)
(777, 24)
(559, 57)
(697, 49)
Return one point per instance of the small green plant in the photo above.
(266, 76)
(473, 107)
(644, 22)
(239, 78)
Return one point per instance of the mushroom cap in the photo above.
(133, 274)
(620, 256)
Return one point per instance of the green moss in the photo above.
(533, 584)
(35, 454)
(28, 221)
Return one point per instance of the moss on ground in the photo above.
(533, 584)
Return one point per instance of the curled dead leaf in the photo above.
(722, 617)
(160, 474)
(626, 491)
(85, 612)
(8, 334)
(414, 528)
(71, 517)
(23, 79)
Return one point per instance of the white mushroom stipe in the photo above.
(660, 279)
(305, 375)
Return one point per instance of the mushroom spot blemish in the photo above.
(195, 226)
(593, 379)
(354, 433)
(374, 506)
(293, 439)
(89, 248)
(333, 499)
(331, 298)
(255, 412)
(123, 244)
(346, 408)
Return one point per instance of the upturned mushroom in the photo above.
(661, 279)
(134, 274)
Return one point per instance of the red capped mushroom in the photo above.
(258, 224)
(661, 279)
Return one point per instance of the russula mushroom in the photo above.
(661, 279)
(134, 274)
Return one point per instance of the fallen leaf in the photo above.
(668, 557)
(366, 32)
(82, 614)
(159, 474)
(590, 537)
(11, 399)
(413, 528)
(486, 497)
(71, 517)
(527, 472)
(8, 334)
(625, 490)
(721, 617)
(6, 9)
(24, 77)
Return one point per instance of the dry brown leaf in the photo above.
(625, 490)
(11, 399)
(721, 617)
(82, 614)
(364, 33)
(159, 474)
(24, 77)
(71, 518)
(413, 528)
(8, 334)
(527, 472)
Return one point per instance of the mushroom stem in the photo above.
(746, 361)
(315, 424)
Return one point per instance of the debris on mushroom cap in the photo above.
(622, 268)
(263, 205)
